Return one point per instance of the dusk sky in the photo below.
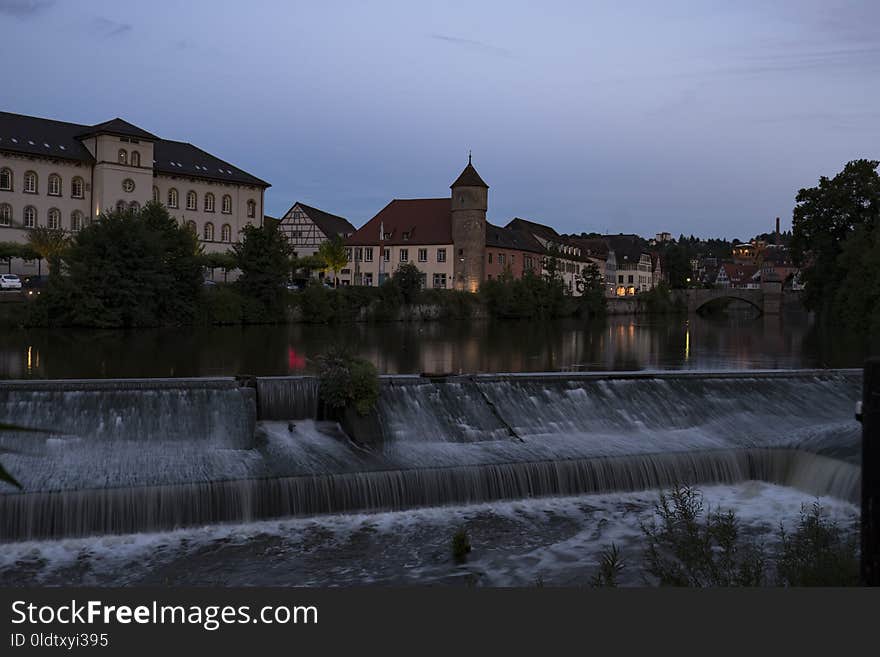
(685, 117)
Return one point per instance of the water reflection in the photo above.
(620, 343)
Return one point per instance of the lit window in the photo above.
(135, 159)
(123, 156)
(53, 219)
(209, 232)
(54, 185)
(30, 217)
(5, 214)
(6, 180)
(209, 202)
(128, 185)
(172, 198)
(192, 201)
(251, 208)
(76, 188)
(30, 182)
(227, 204)
(226, 233)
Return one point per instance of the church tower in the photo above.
(470, 198)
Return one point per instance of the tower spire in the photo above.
(469, 156)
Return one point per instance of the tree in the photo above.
(824, 219)
(131, 268)
(334, 255)
(225, 261)
(263, 256)
(8, 251)
(49, 244)
(677, 265)
(408, 279)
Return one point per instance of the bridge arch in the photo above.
(702, 298)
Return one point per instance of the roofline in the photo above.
(184, 174)
(186, 143)
(90, 160)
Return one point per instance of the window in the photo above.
(135, 159)
(6, 180)
(368, 254)
(226, 233)
(53, 219)
(54, 185)
(386, 255)
(120, 205)
(439, 281)
(134, 206)
(227, 204)
(192, 201)
(192, 226)
(358, 254)
(404, 255)
(423, 255)
(172, 198)
(251, 208)
(630, 279)
(155, 194)
(348, 255)
(128, 185)
(368, 279)
(76, 188)
(209, 202)
(76, 221)
(123, 156)
(441, 255)
(5, 214)
(501, 259)
(209, 232)
(30, 182)
(620, 278)
(30, 217)
(490, 258)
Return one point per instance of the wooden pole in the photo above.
(870, 413)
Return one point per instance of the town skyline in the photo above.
(587, 131)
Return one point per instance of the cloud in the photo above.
(24, 8)
(472, 44)
(108, 28)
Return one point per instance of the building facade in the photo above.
(307, 228)
(65, 175)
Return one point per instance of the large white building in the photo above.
(64, 175)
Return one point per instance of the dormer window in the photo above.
(406, 235)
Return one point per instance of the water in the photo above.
(621, 343)
(554, 541)
(443, 442)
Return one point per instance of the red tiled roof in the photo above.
(423, 220)
(738, 273)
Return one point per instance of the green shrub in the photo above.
(223, 305)
(610, 567)
(818, 553)
(316, 303)
(347, 380)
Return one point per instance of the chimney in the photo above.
(777, 228)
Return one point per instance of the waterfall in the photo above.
(139, 456)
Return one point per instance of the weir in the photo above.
(148, 455)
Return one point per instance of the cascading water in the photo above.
(443, 442)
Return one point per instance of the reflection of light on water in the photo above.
(29, 359)
(687, 341)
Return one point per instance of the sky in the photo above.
(689, 117)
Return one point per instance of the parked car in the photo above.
(10, 282)
(209, 283)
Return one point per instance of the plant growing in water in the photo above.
(461, 546)
(346, 380)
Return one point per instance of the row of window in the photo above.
(365, 254)
(134, 160)
(439, 280)
(78, 220)
(192, 202)
(31, 184)
(53, 218)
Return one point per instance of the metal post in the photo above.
(870, 413)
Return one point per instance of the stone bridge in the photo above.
(767, 299)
